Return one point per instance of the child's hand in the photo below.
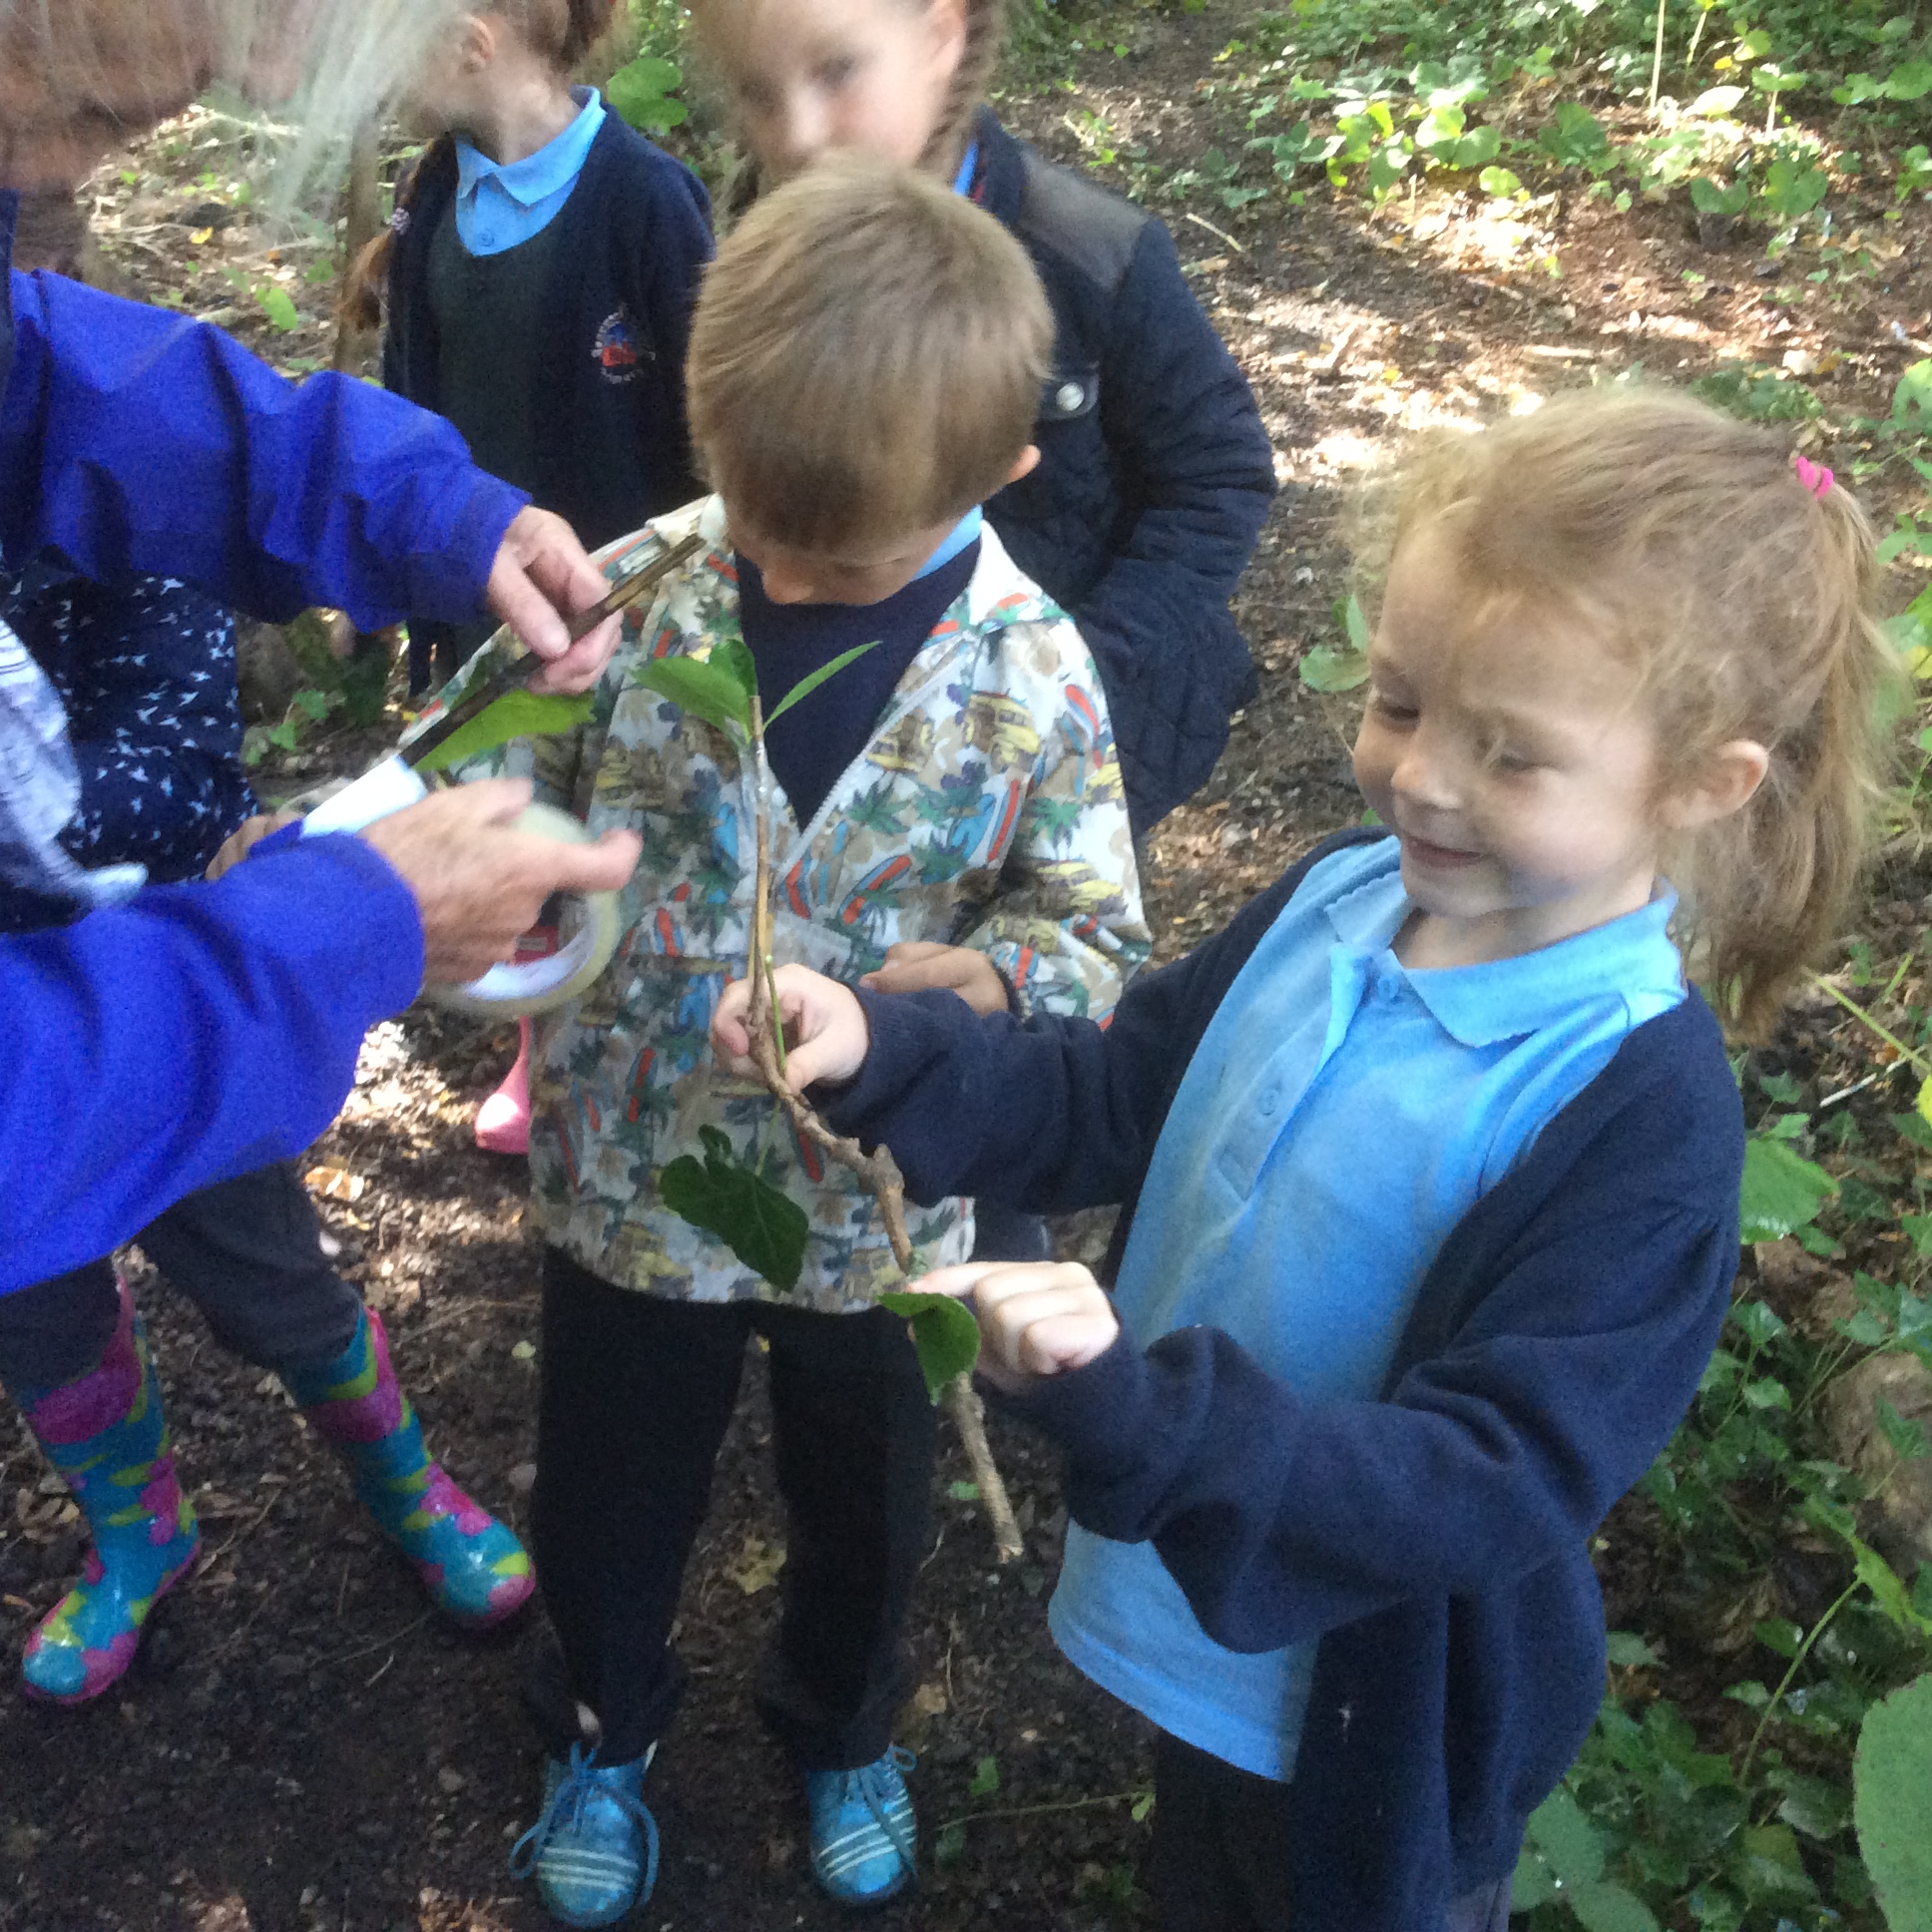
(1035, 1319)
(826, 1037)
(244, 837)
(913, 965)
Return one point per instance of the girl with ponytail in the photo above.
(539, 276)
(537, 279)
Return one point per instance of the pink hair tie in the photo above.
(1814, 476)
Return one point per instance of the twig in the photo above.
(879, 1172)
(1220, 234)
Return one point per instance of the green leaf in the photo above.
(713, 692)
(640, 93)
(1627, 1648)
(516, 713)
(985, 1782)
(1608, 1908)
(944, 1334)
(806, 686)
(1782, 1190)
(1534, 1883)
(1567, 1840)
(963, 1492)
(278, 305)
(1812, 1805)
(1499, 182)
(1778, 1633)
(763, 1227)
(1324, 669)
(1707, 197)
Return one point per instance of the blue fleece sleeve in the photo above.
(133, 440)
(198, 1033)
(1182, 427)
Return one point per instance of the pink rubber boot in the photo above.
(503, 1120)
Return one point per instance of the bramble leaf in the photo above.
(1781, 1192)
(725, 1196)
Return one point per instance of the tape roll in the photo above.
(589, 932)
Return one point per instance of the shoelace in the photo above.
(580, 1783)
(866, 1780)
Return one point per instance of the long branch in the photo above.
(879, 1172)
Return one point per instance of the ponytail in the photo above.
(368, 279)
(979, 60)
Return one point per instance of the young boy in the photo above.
(864, 370)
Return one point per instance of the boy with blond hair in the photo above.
(865, 365)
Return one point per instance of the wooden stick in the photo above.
(877, 1172)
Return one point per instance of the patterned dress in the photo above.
(986, 810)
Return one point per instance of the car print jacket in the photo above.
(986, 810)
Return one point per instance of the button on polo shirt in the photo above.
(1338, 1117)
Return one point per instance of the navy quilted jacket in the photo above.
(1155, 477)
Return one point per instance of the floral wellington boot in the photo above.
(474, 1569)
(107, 1437)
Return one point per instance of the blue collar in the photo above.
(1505, 999)
(536, 176)
(963, 181)
(965, 531)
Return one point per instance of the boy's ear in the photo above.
(1727, 782)
(1025, 463)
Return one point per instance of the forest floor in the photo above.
(301, 1748)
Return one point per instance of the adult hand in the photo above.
(914, 965)
(1035, 1319)
(542, 571)
(479, 885)
(826, 1037)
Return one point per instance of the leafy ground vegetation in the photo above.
(1400, 216)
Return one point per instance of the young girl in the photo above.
(1432, 1160)
(1154, 472)
(540, 274)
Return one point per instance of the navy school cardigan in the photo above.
(1154, 475)
(632, 241)
(1436, 1542)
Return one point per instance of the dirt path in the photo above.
(301, 1749)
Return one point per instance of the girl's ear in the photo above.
(477, 47)
(1725, 785)
(947, 19)
(1024, 463)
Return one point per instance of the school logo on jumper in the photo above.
(618, 350)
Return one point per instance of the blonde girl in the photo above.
(1431, 1159)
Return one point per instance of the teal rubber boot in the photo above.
(107, 1436)
(474, 1569)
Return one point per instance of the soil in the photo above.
(301, 1748)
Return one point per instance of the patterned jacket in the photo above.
(986, 811)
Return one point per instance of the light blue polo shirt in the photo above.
(1338, 1117)
(497, 207)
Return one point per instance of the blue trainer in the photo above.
(862, 1834)
(595, 1848)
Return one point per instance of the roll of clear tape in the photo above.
(587, 933)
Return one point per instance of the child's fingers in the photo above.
(730, 1035)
